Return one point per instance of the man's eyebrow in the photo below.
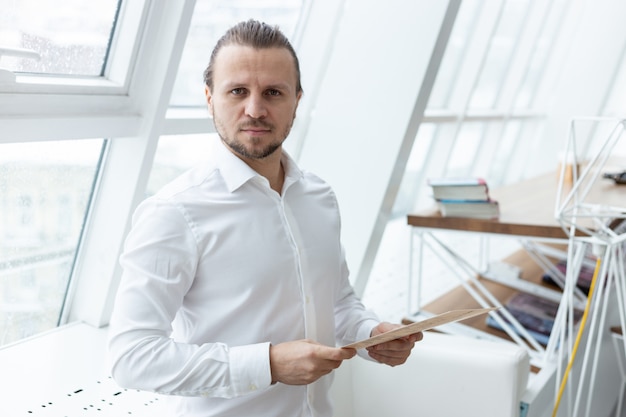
(274, 86)
(278, 86)
(232, 84)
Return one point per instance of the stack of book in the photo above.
(535, 313)
(464, 197)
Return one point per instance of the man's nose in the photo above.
(255, 107)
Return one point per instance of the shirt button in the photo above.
(252, 387)
(307, 299)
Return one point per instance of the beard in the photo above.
(251, 152)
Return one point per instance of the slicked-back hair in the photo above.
(257, 35)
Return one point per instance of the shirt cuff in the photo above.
(364, 332)
(250, 367)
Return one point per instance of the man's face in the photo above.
(254, 99)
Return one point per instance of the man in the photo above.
(235, 291)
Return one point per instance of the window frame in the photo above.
(129, 24)
(35, 105)
(131, 117)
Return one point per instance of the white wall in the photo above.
(368, 109)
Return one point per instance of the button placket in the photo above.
(306, 294)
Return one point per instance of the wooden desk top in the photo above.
(526, 209)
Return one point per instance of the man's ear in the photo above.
(298, 97)
(209, 100)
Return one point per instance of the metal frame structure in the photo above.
(597, 226)
(468, 273)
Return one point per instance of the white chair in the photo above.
(445, 376)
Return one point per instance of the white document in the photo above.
(430, 323)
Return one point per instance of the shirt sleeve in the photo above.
(159, 264)
(353, 321)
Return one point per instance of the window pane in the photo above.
(68, 37)
(465, 149)
(501, 51)
(616, 99)
(541, 56)
(210, 20)
(451, 73)
(176, 154)
(501, 159)
(45, 189)
(411, 191)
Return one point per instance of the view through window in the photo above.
(45, 191)
(70, 37)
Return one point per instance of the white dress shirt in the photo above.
(218, 266)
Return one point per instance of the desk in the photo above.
(527, 210)
(527, 214)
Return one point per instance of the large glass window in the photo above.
(70, 37)
(483, 117)
(45, 191)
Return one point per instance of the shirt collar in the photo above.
(236, 172)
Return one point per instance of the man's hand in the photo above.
(394, 352)
(303, 361)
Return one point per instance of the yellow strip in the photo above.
(578, 337)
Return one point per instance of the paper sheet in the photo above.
(430, 323)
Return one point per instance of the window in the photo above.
(48, 189)
(69, 58)
(45, 192)
(485, 114)
(70, 37)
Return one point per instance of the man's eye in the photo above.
(237, 91)
(273, 92)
